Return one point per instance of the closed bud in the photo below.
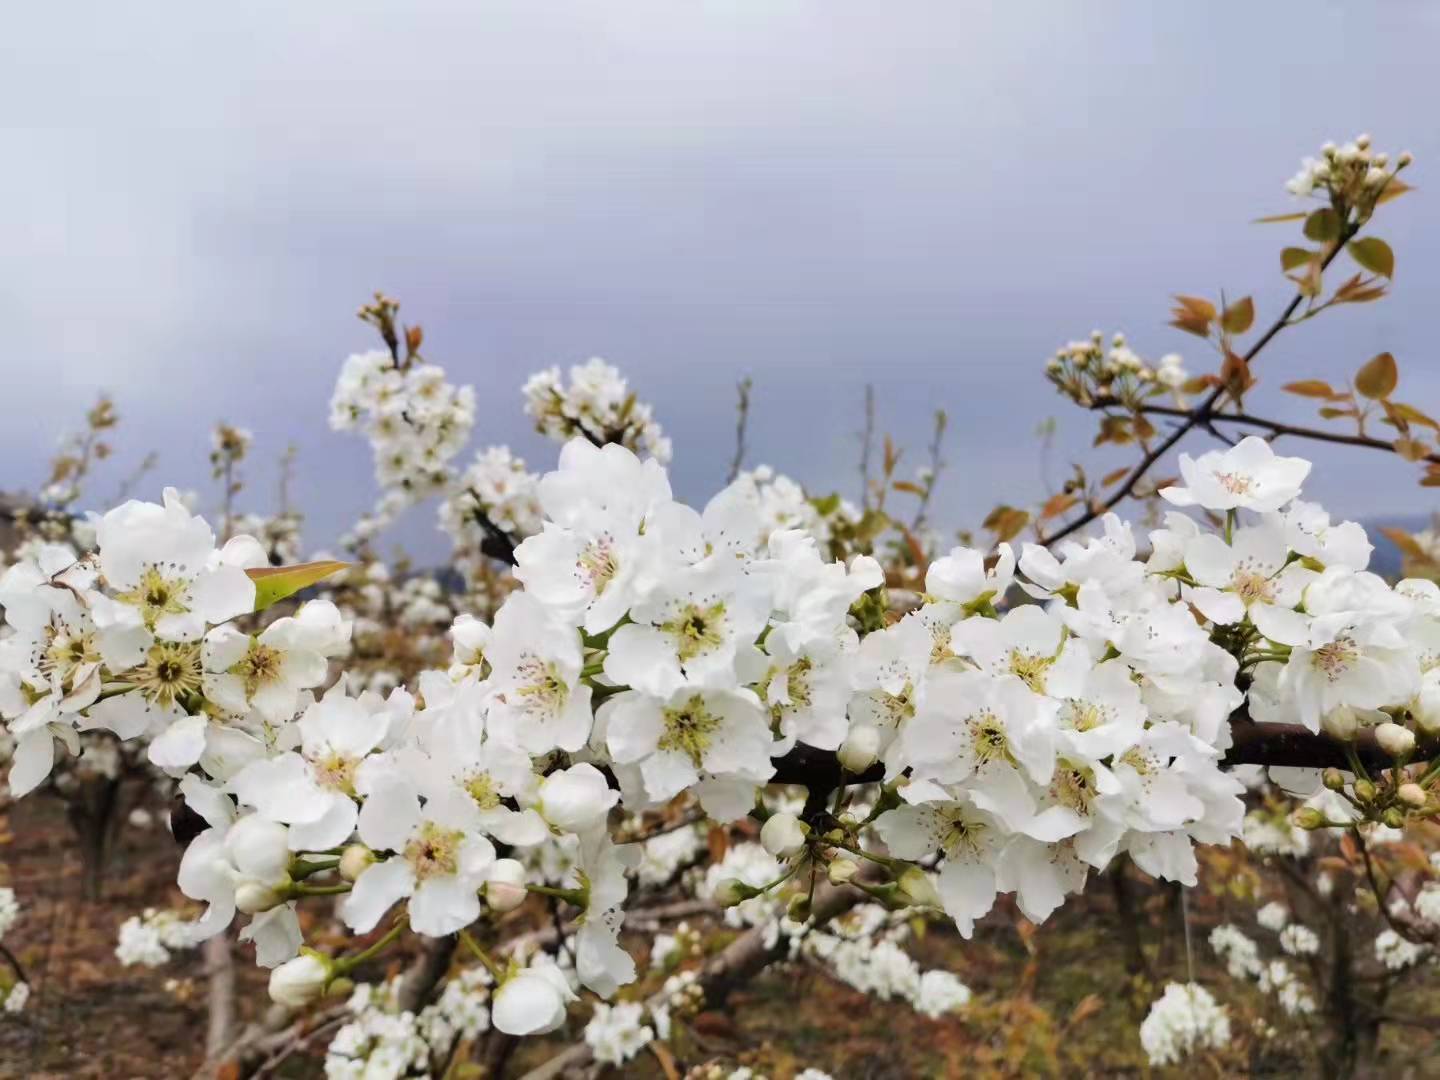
(1307, 817)
(353, 861)
(300, 981)
(732, 891)
(1394, 739)
(783, 835)
(252, 897)
(915, 883)
(1364, 791)
(1334, 779)
(1404, 159)
(505, 888)
(860, 749)
(799, 909)
(842, 870)
(1394, 817)
(1412, 795)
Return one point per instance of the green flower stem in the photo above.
(484, 957)
(346, 964)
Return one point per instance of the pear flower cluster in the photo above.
(597, 405)
(416, 422)
(496, 487)
(1353, 172)
(1185, 1020)
(1088, 372)
(1034, 717)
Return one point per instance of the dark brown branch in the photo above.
(1198, 416)
(1275, 427)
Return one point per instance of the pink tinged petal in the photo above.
(180, 745)
(390, 815)
(33, 758)
(443, 905)
(375, 892)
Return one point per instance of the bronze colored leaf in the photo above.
(1239, 316)
(1393, 190)
(1378, 378)
(1323, 226)
(1315, 388)
(1058, 503)
(1293, 257)
(1374, 255)
(1274, 218)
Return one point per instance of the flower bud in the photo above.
(732, 891)
(259, 848)
(505, 888)
(915, 883)
(252, 897)
(841, 870)
(1404, 159)
(1395, 740)
(783, 835)
(1340, 722)
(1394, 817)
(532, 1001)
(860, 748)
(799, 909)
(1364, 791)
(300, 981)
(1412, 795)
(354, 860)
(576, 798)
(1307, 817)
(1334, 779)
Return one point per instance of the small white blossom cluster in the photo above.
(616, 1033)
(1353, 171)
(9, 910)
(1087, 371)
(1395, 953)
(381, 1042)
(1183, 1020)
(1275, 977)
(149, 939)
(498, 488)
(416, 422)
(783, 505)
(596, 405)
(14, 992)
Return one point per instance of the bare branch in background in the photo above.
(742, 421)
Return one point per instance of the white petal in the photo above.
(375, 891)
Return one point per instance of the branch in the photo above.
(1199, 415)
(741, 960)
(742, 421)
(1275, 427)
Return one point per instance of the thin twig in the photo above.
(742, 422)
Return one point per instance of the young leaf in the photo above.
(1393, 190)
(1323, 226)
(1292, 257)
(1374, 255)
(1273, 218)
(274, 583)
(1239, 316)
(1315, 388)
(1378, 378)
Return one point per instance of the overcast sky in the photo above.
(929, 197)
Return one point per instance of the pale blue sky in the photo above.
(926, 196)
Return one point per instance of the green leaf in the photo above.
(1323, 226)
(1378, 378)
(274, 583)
(1374, 255)
(1239, 316)
(1293, 257)
(827, 504)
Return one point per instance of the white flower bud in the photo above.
(1394, 739)
(1426, 707)
(842, 870)
(576, 798)
(354, 860)
(916, 884)
(1412, 795)
(252, 897)
(732, 891)
(1340, 722)
(1404, 159)
(300, 981)
(505, 888)
(531, 1002)
(783, 835)
(860, 748)
(259, 848)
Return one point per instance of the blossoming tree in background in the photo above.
(820, 722)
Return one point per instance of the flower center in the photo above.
(156, 595)
(66, 652)
(1030, 667)
(542, 692)
(1086, 715)
(1251, 586)
(1235, 483)
(988, 735)
(688, 730)
(697, 630)
(259, 667)
(336, 770)
(481, 787)
(960, 837)
(1335, 658)
(597, 563)
(434, 851)
(170, 671)
(1074, 786)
